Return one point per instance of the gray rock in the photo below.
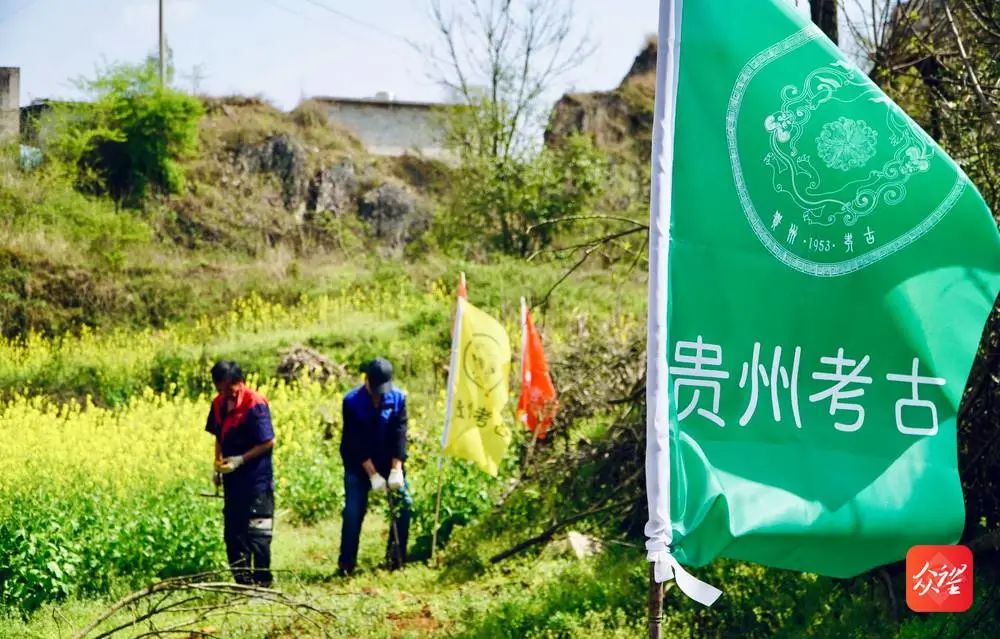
(334, 190)
(394, 214)
(283, 156)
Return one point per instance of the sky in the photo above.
(283, 50)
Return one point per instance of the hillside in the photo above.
(620, 121)
(272, 202)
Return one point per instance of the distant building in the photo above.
(390, 127)
(10, 98)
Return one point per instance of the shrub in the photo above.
(128, 141)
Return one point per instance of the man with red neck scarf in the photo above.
(240, 420)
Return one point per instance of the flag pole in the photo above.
(655, 606)
(456, 330)
(659, 530)
(437, 505)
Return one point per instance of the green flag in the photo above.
(820, 275)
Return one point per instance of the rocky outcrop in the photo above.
(395, 215)
(619, 121)
(283, 156)
(314, 196)
(334, 190)
(645, 62)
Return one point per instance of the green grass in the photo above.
(401, 311)
(552, 596)
(377, 308)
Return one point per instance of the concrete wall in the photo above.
(390, 128)
(10, 98)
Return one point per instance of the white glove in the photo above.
(229, 464)
(378, 483)
(396, 479)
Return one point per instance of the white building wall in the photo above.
(10, 98)
(391, 129)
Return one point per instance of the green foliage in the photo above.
(512, 201)
(45, 202)
(314, 489)
(465, 495)
(57, 546)
(128, 142)
(602, 598)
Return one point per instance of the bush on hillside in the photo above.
(504, 199)
(128, 141)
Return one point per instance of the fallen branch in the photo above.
(549, 532)
(110, 612)
(211, 598)
(154, 610)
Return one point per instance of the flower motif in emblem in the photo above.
(846, 144)
(781, 123)
(915, 161)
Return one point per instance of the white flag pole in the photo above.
(659, 532)
(456, 334)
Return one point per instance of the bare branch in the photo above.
(973, 77)
(576, 218)
(196, 589)
(514, 51)
(549, 532)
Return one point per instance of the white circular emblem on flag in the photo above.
(831, 174)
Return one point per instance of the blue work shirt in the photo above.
(370, 433)
(246, 426)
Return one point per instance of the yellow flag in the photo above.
(475, 418)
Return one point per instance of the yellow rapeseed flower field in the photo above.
(99, 488)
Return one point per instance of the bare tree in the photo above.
(824, 14)
(499, 57)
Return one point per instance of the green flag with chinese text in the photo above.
(820, 275)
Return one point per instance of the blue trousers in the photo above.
(356, 489)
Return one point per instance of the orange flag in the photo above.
(537, 405)
(461, 293)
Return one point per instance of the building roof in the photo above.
(380, 102)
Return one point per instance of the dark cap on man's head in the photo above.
(379, 374)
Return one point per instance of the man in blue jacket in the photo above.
(373, 448)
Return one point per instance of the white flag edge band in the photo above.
(658, 529)
(456, 341)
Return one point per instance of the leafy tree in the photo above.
(126, 142)
(513, 202)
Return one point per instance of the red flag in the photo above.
(537, 405)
